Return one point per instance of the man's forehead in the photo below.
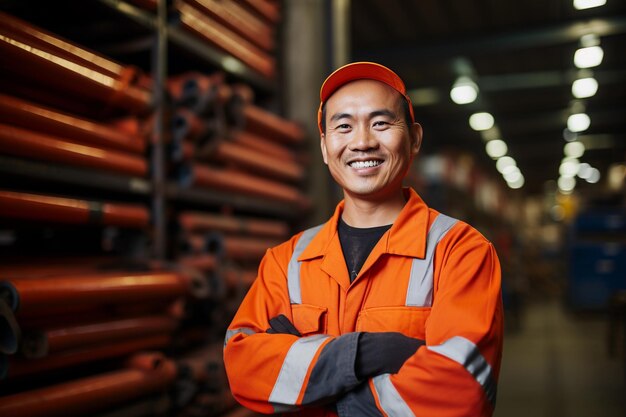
(366, 89)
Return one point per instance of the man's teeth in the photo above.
(364, 164)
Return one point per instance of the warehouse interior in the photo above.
(151, 151)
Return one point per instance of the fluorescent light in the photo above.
(574, 149)
(566, 183)
(496, 148)
(568, 135)
(578, 122)
(569, 167)
(588, 57)
(504, 162)
(481, 121)
(584, 87)
(516, 184)
(585, 170)
(588, 4)
(464, 91)
(513, 175)
(594, 176)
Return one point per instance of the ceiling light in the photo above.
(574, 149)
(496, 148)
(594, 176)
(516, 184)
(584, 170)
(568, 135)
(464, 91)
(512, 176)
(569, 167)
(504, 162)
(578, 122)
(566, 183)
(481, 121)
(588, 4)
(588, 57)
(584, 87)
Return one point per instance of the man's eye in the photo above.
(343, 126)
(380, 123)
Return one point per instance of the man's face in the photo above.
(368, 146)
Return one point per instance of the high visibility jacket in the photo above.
(430, 277)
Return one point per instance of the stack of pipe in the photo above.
(237, 28)
(224, 142)
(30, 130)
(146, 377)
(62, 68)
(61, 320)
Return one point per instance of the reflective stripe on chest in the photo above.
(420, 289)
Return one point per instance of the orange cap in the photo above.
(361, 71)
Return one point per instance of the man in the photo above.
(389, 308)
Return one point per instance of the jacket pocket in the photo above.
(309, 319)
(410, 321)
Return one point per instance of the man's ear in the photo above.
(416, 138)
(323, 147)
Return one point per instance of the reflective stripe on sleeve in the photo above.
(231, 332)
(294, 369)
(389, 398)
(420, 290)
(466, 353)
(293, 269)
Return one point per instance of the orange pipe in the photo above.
(270, 125)
(225, 39)
(33, 116)
(196, 91)
(240, 248)
(26, 143)
(67, 210)
(65, 338)
(69, 76)
(241, 183)
(261, 144)
(18, 367)
(200, 221)
(268, 9)
(205, 363)
(55, 45)
(237, 279)
(34, 294)
(88, 395)
(251, 159)
(239, 20)
(202, 262)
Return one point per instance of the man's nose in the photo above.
(363, 140)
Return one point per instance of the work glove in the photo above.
(383, 352)
(281, 325)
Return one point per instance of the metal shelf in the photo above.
(219, 198)
(197, 47)
(73, 176)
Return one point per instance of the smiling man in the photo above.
(389, 308)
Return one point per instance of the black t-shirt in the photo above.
(357, 243)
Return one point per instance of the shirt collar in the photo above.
(407, 236)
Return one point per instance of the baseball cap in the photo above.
(360, 71)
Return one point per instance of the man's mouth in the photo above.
(365, 164)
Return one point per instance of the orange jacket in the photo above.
(429, 277)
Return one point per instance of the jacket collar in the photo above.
(407, 236)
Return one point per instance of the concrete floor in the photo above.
(557, 365)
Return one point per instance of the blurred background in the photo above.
(150, 152)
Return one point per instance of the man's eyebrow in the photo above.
(338, 116)
(383, 112)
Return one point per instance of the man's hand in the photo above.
(281, 325)
(383, 352)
